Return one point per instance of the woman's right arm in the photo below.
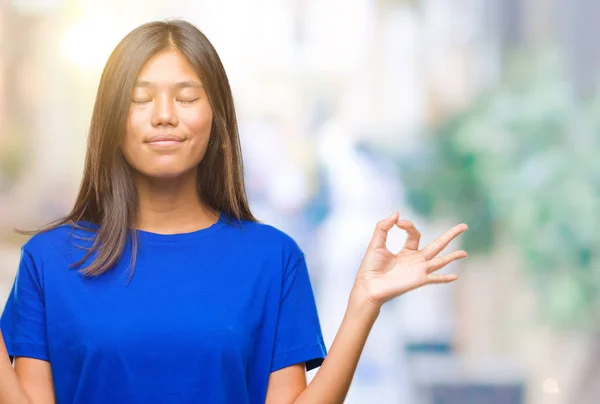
(30, 382)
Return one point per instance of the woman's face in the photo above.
(169, 120)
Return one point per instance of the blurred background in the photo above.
(478, 111)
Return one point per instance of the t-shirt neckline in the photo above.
(148, 236)
(179, 237)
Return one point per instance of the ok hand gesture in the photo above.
(384, 275)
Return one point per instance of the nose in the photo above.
(164, 112)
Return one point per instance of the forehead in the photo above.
(168, 66)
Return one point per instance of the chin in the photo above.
(166, 173)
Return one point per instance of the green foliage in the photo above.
(524, 162)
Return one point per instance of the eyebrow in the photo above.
(180, 85)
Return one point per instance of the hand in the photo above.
(384, 275)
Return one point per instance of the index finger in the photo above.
(413, 235)
(441, 242)
(381, 230)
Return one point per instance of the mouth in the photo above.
(164, 140)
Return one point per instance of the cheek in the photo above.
(132, 131)
(131, 142)
(199, 121)
(137, 120)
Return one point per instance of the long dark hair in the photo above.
(107, 195)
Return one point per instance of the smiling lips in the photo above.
(164, 140)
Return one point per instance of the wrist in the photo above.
(361, 304)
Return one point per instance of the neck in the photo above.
(171, 206)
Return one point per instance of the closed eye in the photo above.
(188, 101)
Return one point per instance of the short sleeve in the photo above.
(23, 321)
(298, 336)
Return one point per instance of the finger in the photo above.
(440, 262)
(381, 231)
(438, 245)
(441, 278)
(413, 235)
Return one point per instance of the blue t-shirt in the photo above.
(205, 318)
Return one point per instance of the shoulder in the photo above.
(268, 233)
(58, 239)
(268, 239)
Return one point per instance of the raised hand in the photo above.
(384, 275)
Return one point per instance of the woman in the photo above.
(181, 296)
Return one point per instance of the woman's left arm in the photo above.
(382, 276)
